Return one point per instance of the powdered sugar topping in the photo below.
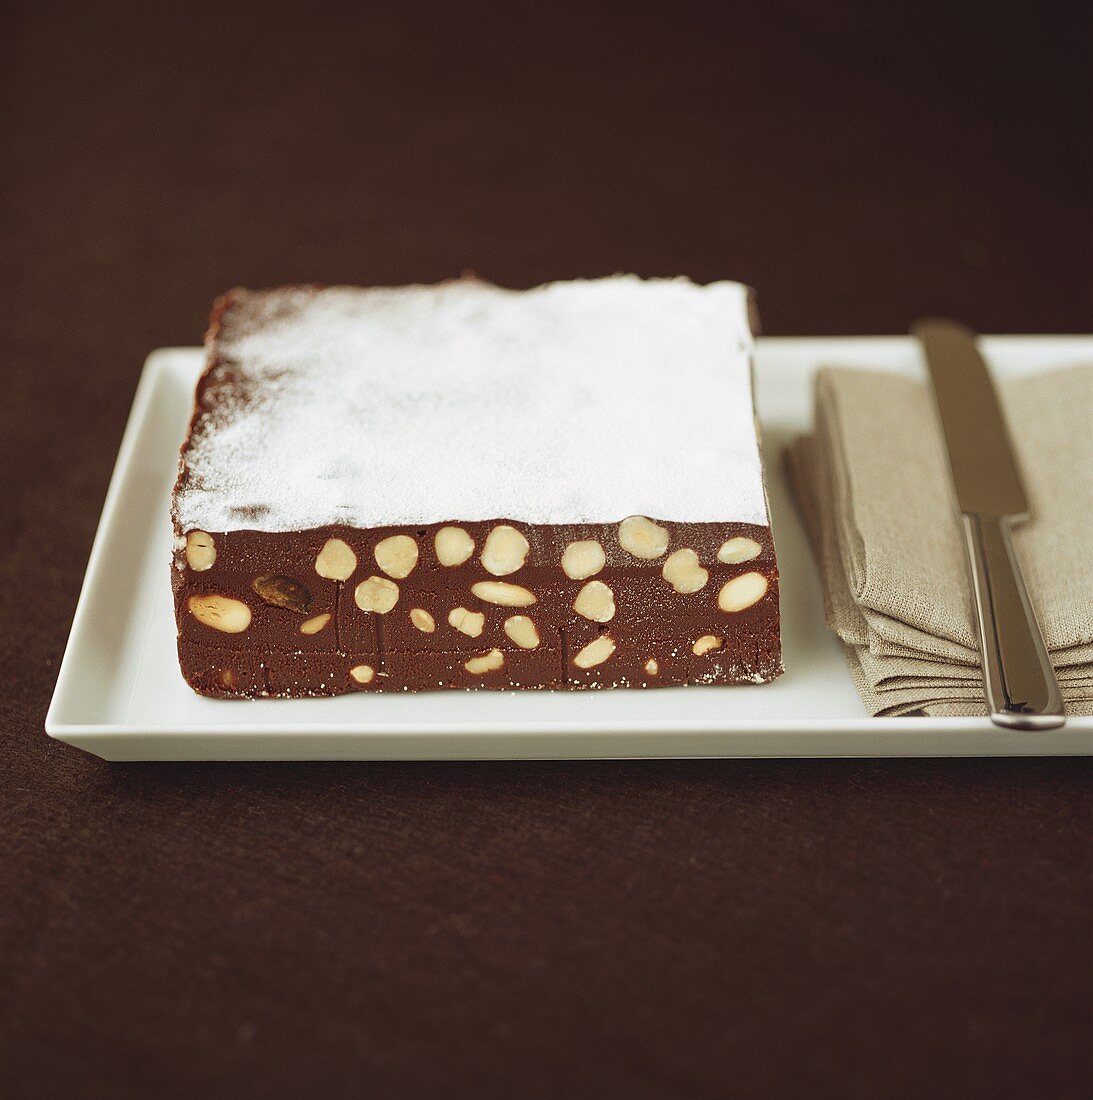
(576, 402)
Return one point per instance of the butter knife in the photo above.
(1019, 681)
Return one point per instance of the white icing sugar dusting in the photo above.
(576, 402)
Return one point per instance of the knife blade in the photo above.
(1018, 679)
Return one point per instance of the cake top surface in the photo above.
(575, 402)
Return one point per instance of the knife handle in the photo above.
(1019, 681)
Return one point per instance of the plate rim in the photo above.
(1076, 738)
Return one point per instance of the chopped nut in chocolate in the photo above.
(281, 591)
(220, 613)
(200, 551)
(336, 560)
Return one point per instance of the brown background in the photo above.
(661, 929)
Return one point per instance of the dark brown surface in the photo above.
(855, 929)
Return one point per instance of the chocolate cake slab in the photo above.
(462, 486)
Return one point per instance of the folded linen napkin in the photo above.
(873, 486)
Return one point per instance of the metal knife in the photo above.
(1018, 678)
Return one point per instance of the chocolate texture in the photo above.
(262, 619)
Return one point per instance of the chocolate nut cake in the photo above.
(462, 486)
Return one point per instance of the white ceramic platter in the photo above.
(120, 695)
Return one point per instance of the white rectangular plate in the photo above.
(120, 694)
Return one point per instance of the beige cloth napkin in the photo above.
(873, 486)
